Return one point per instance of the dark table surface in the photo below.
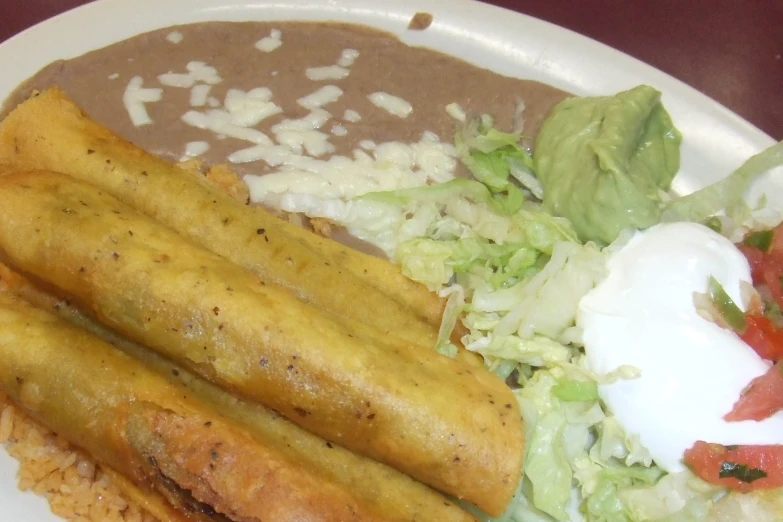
(729, 49)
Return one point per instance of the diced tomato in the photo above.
(764, 336)
(767, 266)
(744, 468)
(771, 278)
(755, 259)
(763, 398)
(777, 240)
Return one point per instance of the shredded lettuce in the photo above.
(455, 305)
(426, 261)
(710, 200)
(675, 497)
(515, 274)
(468, 189)
(605, 503)
(546, 461)
(518, 275)
(489, 153)
(573, 390)
(547, 303)
(539, 351)
(434, 262)
(571, 442)
(464, 238)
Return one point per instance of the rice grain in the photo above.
(71, 481)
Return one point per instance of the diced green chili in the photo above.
(761, 240)
(728, 310)
(773, 312)
(715, 224)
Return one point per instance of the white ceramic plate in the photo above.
(715, 140)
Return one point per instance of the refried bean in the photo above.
(427, 79)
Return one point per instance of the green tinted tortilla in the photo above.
(603, 161)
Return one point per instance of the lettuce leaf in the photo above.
(488, 153)
(539, 351)
(574, 390)
(434, 262)
(519, 274)
(727, 192)
(465, 238)
(605, 503)
(455, 305)
(547, 303)
(426, 261)
(442, 193)
(547, 465)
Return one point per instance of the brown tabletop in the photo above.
(729, 49)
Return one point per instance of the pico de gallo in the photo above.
(749, 467)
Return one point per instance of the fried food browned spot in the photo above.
(220, 176)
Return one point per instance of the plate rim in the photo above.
(711, 130)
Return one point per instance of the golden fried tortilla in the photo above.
(451, 425)
(130, 418)
(49, 131)
(386, 491)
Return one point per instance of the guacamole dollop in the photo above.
(604, 161)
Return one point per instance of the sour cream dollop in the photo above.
(692, 370)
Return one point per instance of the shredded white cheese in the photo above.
(339, 130)
(303, 135)
(273, 155)
(367, 144)
(347, 57)
(194, 149)
(430, 136)
(271, 42)
(313, 121)
(295, 137)
(114, 76)
(197, 72)
(174, 37)
(324, 95)
(135, 97)
(199, 94)
(324, 187)
(219, 122)
(248, 109)
(518, 120)
(329, 72)
(392, 104)
(241, 111)
(351, 116)
(455, 111)
(334, 72)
